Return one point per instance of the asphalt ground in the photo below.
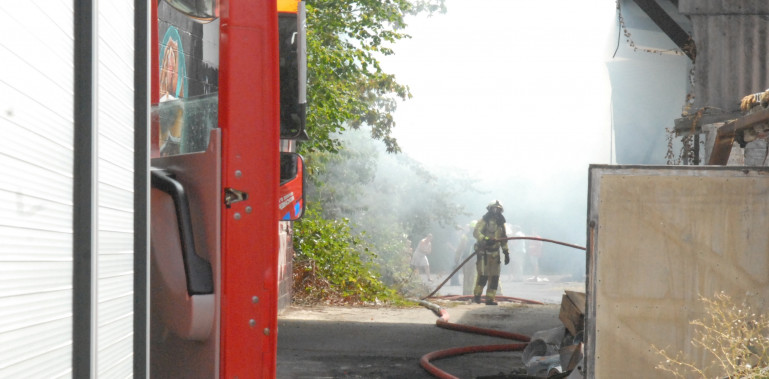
(387, 342)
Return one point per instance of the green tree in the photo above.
(387, 198)
(348, 89)
(346, 84)
(334, 265)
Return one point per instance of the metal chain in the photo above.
(632, 44)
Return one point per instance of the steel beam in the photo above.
(669, 26)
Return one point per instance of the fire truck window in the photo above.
(184, 124)
(202, 10)
(292, 113)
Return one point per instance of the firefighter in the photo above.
(490, 237)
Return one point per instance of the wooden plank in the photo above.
(691, 124)
(572, 313)
(757, 121)
(572, 354)
(578, 298)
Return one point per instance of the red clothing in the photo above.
(534, 247)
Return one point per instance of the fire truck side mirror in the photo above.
(291, 192)
(293, 73)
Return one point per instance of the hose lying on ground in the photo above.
(438, 310)
(443, 322)
(497, 298)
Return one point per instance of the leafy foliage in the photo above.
(348, 89)
(346, 84)
(391, 200)
(333, 265)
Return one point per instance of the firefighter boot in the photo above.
(478, 291)
(491, 292)
(490, 296)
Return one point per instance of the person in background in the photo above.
(461, 250)
(490, 236)
(419, 258)
(518, 253)
(407, 252)
(468, 270)
(534, 252)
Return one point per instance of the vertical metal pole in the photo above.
(83, 189)
(696, 149)
(141, 189)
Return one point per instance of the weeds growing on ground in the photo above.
(334, 266)
(735, 336)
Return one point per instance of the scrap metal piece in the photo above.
(751, 124)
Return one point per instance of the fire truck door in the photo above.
(185, 262)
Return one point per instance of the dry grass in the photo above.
(736, 338)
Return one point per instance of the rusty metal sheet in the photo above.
(731, 50)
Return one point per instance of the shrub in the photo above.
(736, 338)
(334, 266)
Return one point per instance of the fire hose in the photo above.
(459, 266)
(443, 322)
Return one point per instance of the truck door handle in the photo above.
(196, 269)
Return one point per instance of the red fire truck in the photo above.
(227, 96)
(147, 185)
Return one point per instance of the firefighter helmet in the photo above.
(495, 205)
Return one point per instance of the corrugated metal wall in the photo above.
(114, 191)
(36, 190)
(36, 81)
(732, 50)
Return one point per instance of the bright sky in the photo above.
(522, 84)
(517, 93)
